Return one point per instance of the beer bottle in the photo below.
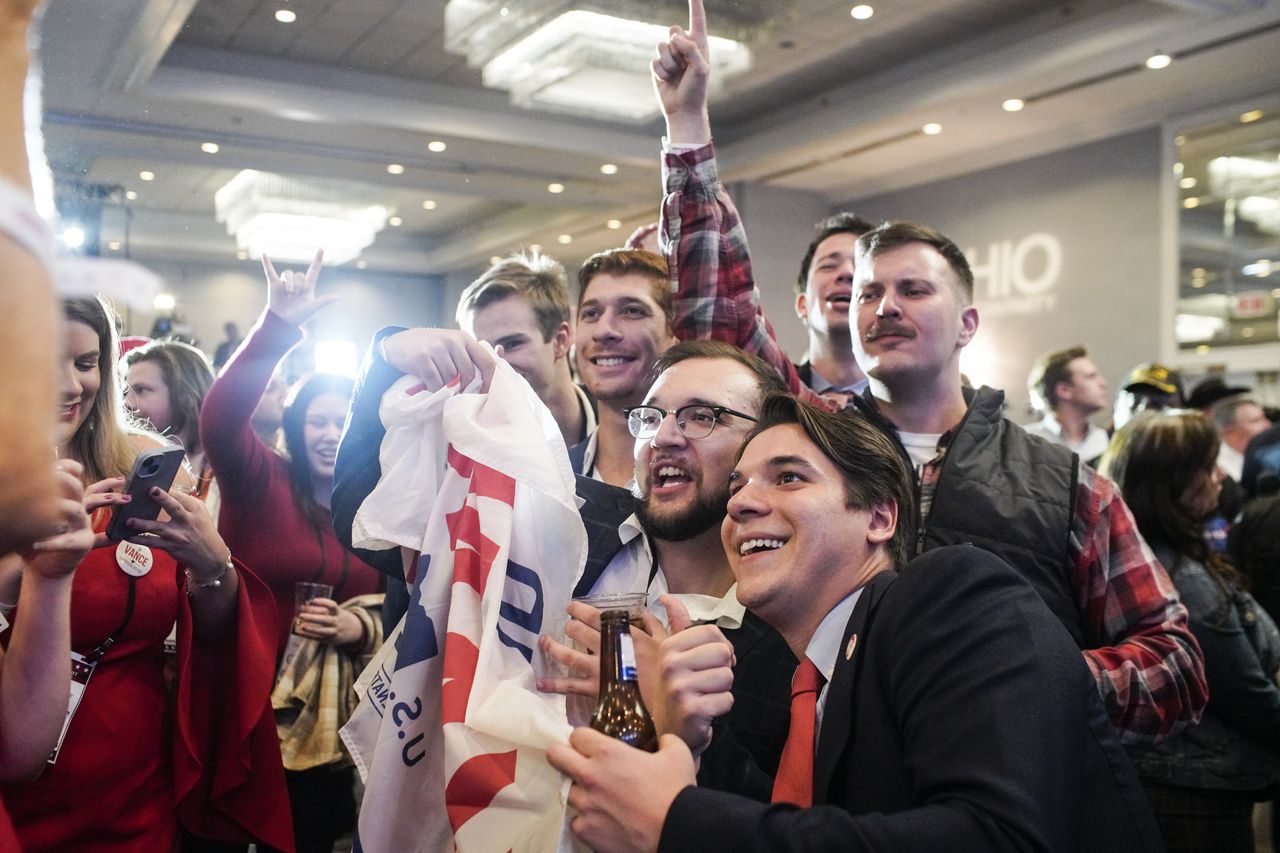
(620, 712)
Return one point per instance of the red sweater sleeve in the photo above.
(228, 777)
(238, 456)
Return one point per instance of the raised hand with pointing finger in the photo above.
(681, 71)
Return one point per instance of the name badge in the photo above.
(135, 560)
(81, 669)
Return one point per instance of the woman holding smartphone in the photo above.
(135, 761)
(291, 490)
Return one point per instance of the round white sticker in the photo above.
(134, 559)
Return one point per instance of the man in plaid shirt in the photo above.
(979, 477)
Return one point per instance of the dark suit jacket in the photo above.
(965, 719)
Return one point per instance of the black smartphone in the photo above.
(157, 467)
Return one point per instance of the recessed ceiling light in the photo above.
(164, 302)
(932, 128)
(286, 16)
(395, 222)
(613, 224)
(242, 255)
(555, 189)
(429, 204)
(535, 248)
(1203, 349)
(1187, 183)
(564, 239)
(209, 147)
(1189, 203)
(504, 11)
(395, 169)
(494, 260)
(1159, 60)
(145, 175)
(1013, 105)
(1177, 168)
(608, 168)
(1251, 116)
(1199, 272)
(1247, 332)
(1197, 283)
(130, 195)
(861, 12)
(436, 146)
(1179, 140)
(114, 245)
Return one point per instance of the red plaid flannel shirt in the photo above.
(714, 292)
(1148, 666)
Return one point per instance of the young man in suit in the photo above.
(946, 708)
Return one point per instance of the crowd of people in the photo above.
(883, 615)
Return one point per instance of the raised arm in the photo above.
(709, 263)
(28, 493)
(1148, 665)
(239, 457)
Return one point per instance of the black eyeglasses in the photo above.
(695, 421)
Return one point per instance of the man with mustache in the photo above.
(979, 477)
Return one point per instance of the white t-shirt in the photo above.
(922, 447)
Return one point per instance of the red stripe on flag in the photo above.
(475, 783)
(458, 462)
(460, 656)
(473, 552)
(485, 481)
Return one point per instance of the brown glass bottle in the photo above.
(620, 712)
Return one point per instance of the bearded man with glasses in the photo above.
(661, 537)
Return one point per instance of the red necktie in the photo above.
(794, 782)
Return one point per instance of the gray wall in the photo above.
(1097, 208)
(209, 295)
(779, 225)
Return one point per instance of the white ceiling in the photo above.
(833, 106)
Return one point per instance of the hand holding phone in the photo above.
(151, 468)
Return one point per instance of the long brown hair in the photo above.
(187, 376)
(102, 442)
(1154, 458)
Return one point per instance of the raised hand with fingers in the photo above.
(291, 295)
(681, 71)
(438, 356)
(695, 665)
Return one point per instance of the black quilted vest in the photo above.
(1005, 491)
